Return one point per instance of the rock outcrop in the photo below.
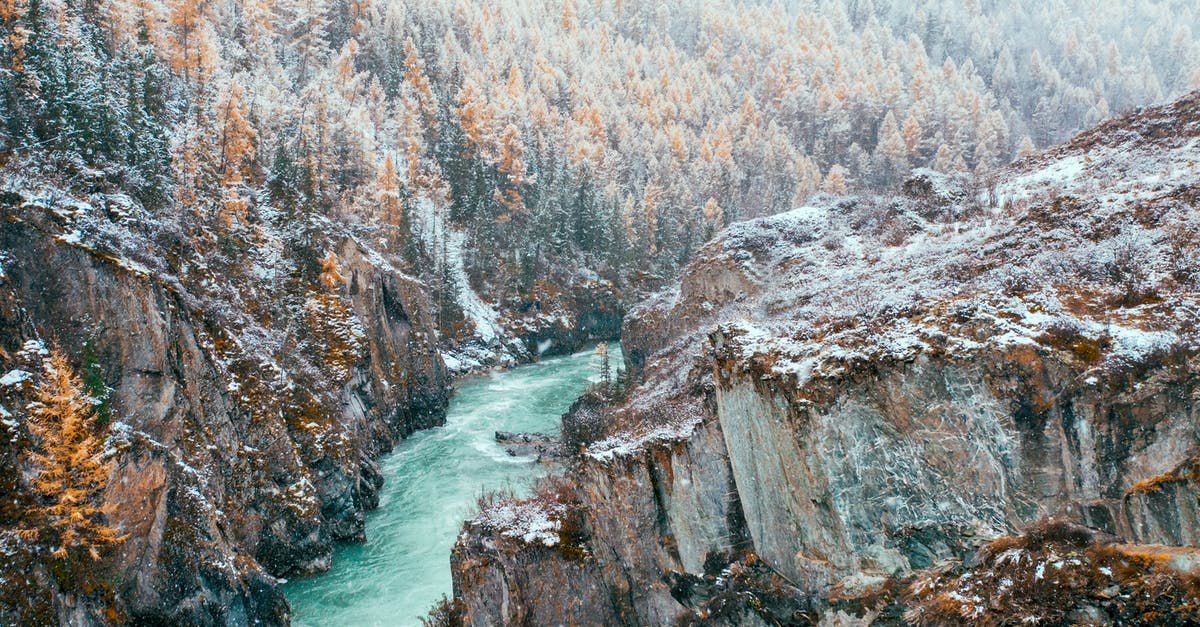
(546, 448)
(838, 401)
(246, 405)
(560, 320)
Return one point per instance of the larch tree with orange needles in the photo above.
(911, 131)
(236, 144)
(387, 186)
(650, 199)
(71, 470)
(512, 166)
(835, 180)
(191, 48)
(331, 275)
(414, 75)
(14, 34)
(476, 117)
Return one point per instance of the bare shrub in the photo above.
(1066, 335)
(445, 613)
(1183, 252)
(1129, 267)
(1016, 281)
(1052, 575)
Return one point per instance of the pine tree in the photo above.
(303, 23)
(891, 148)
(70, 471)
(449, 314)
(586, 226)
(57, 102)
(606, 383)
(147, 147)
(283, 180)
(12, 65)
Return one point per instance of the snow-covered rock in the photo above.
(873, 386)
(247, 409)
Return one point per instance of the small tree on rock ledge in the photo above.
(71, 471)
(605, 383)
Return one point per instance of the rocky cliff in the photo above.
(846, 411)
(246, 401)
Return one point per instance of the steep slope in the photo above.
(839, 396)
(556, 316)
(245, 402)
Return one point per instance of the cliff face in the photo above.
(838, 402)
(989, 442)
(560, 320)
(246, 410)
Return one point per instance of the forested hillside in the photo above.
(617, 133)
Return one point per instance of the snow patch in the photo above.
(1057, 175)
(15, 377)
(1132, 345)
(7, 419)
(440, 237)
(32, 349)
(532, 521)
(74, 237)
(625, 444)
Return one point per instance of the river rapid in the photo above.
(432, 482)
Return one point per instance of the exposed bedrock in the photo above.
(840, 411)
(227, 473)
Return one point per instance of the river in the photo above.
(432, 481)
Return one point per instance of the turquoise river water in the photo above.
(432, 481)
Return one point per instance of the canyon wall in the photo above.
(229, 468)
(842, 408)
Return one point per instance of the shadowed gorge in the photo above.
(433, 481)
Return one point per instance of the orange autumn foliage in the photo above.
(71, 471)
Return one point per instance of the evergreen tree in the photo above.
(146, 147)
(605, 384)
